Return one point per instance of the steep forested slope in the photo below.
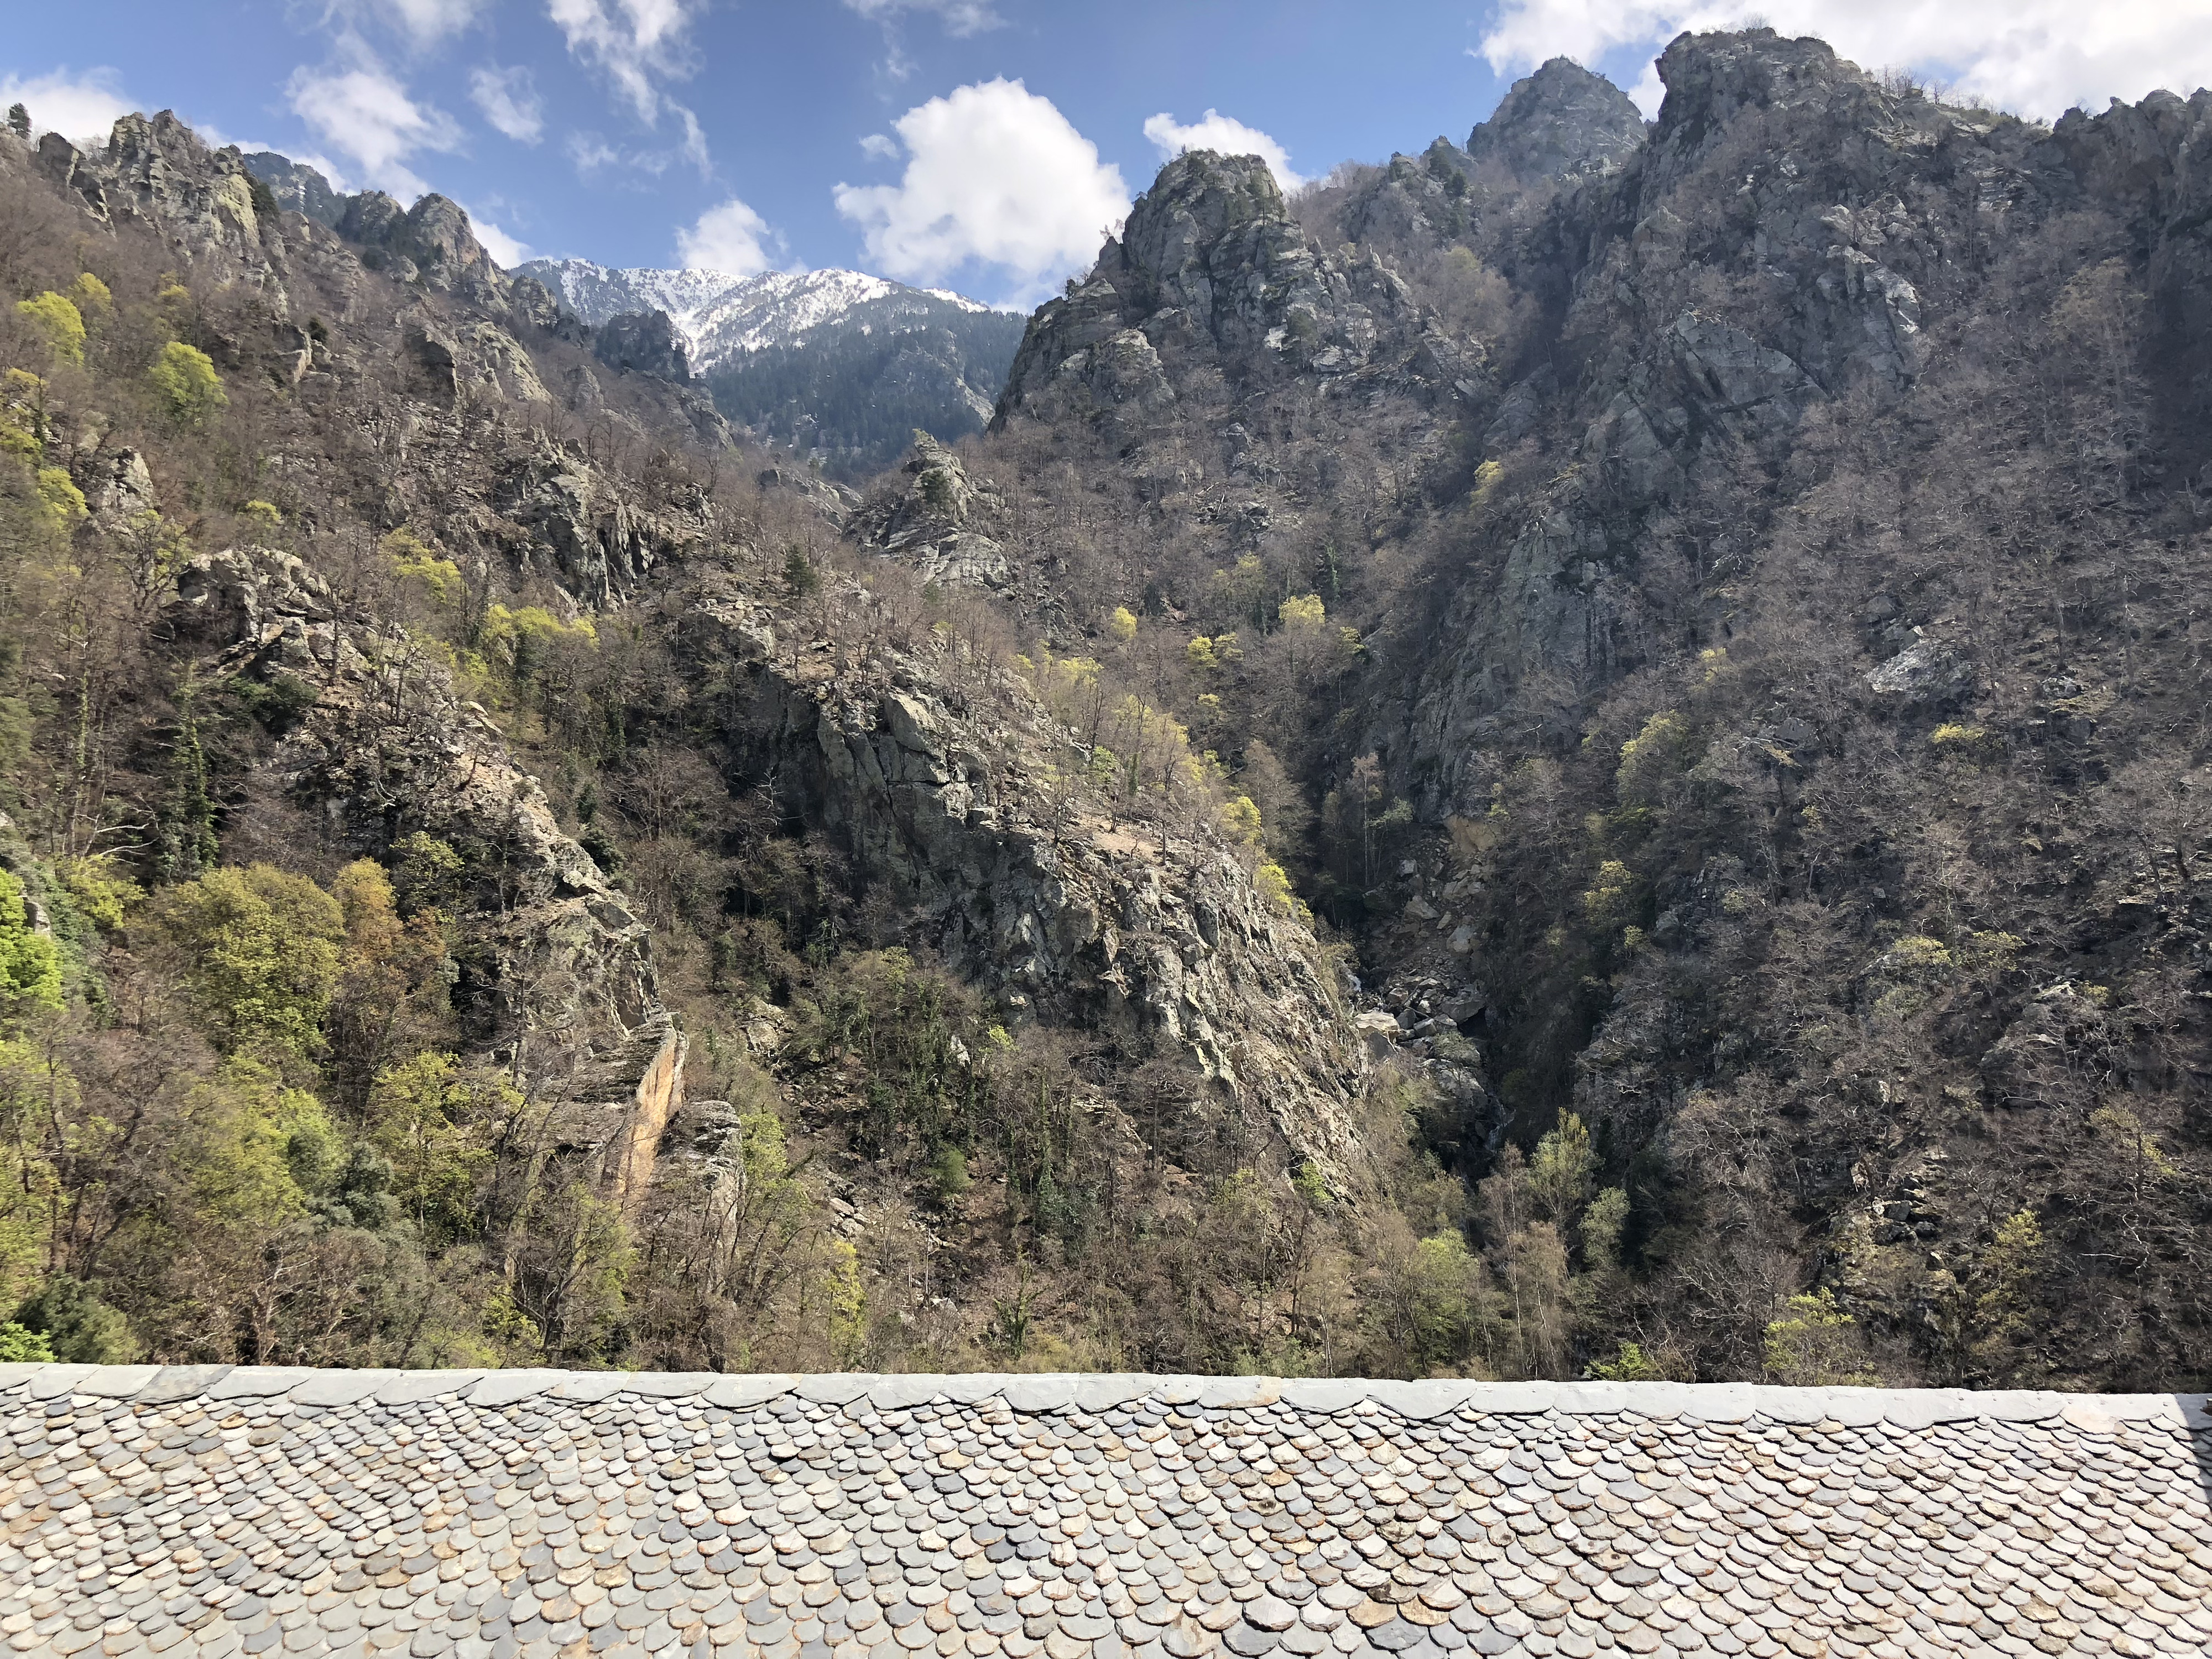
(1585, 752)
(1718, 617)
(490, 877)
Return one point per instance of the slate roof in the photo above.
(194, 1512)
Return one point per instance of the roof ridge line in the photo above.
(1052, 1392)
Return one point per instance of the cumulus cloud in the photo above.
(80, 107)
(995, 175)
(2034, 57)
(508, 99)
(730, 238)
(960, 17)
(366, 113)
(635, 42)
(504, 249)
(1214, 130)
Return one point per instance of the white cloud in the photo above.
(2034, 57)
(876, 147)
(632, 41)
(504, 249)
(80, 107)
(995, 174)
(1214, 130)
(509, 100)
(693, 148)
(960, 17)
(731, 238)
(590, 154)
(364, 113)
(427, 22)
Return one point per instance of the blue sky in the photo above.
(980, 144)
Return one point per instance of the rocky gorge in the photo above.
(1578, 753)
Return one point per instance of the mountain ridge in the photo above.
(1580, 756)
(720, 314)
(840, 365)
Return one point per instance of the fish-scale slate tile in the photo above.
(523, 1516)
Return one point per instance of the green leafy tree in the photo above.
(437, 1122)
(76, 1327)
(1559, 1173)
(63, 502)
(55, 317)
(103, 895)
(184, 378)
(1815, 1344)
(259, 1150)
(260, 955)
(19, 1347)
(1629, 1365)
(30, 965)
(847, 1297)
(188, 844)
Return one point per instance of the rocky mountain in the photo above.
(835, 363)
(1578, 755)
(1561, 124)
(641, 903)
(1722, 589)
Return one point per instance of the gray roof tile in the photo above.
(209, 1511)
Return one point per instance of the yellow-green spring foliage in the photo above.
(415, 560)
(63, 501)
(1815, 1344)
(103, 894)
(184, 378)
(55, 317)
(30, 966)
(523, 636)
(23, 414)
(260, 948)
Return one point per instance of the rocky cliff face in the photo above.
(1212, 267)
(955, 798)
(1859, 200)
(938, 789)
(932, 518)
(1728, 643)
(645, 343)
(556, 980)
(1561, 124)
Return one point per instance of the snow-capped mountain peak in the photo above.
(721, 316)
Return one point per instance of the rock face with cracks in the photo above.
(1212, 266)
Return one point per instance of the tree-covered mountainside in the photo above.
(854, 392)
(1581, 754)
(1717, 619)
(493, 876)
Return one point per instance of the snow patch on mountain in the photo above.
(722, 317)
